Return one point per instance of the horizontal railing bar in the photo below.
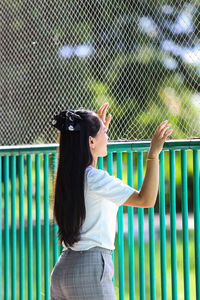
(113, 146)
(28, 149)
(145, 144)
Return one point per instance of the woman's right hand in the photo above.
(147, 195)
(102, 115)
(159, 139)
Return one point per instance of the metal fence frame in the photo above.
(8, 154)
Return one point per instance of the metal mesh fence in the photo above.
(143, 57)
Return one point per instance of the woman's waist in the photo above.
(93, 249)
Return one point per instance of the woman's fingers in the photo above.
(102, 111)
(163, 130)
(102, 114)
(168, 133)
(161, 126)
(160, 136)
(108, 121)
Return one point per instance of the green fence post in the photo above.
(100, 163)
(110, 171)
(162, 227)
(46, 225)
(21, 227)
(13, 225)
(6, 227)
(185, 224)
(0, 226)
(130, 230)
(30, 227)
(141, 229)
(173, 224)
(120, 234)
(38, 227)
(152, 253)
(196, 220)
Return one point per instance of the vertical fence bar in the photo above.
(0, 227)
(185, 224)
(46, 226)
(152, 253)
(120, 233)
(162, 226)
(130, 230)
(6, 227)
(55, 227)
(13, 226)
(100, 163)
(38, 227)
(21, 227)
(173, 224)
(110, 163)
(196, 220)
(141, 229)
(30, 227)
(110, 171)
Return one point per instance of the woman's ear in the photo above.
(91, 142)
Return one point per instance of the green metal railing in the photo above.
(28, 241)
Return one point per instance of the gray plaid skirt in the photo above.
(83, 275)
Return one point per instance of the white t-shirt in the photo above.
(103, 196)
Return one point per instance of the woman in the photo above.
(87, 201)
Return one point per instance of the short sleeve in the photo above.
(108, 187)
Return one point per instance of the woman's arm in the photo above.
(146, 197)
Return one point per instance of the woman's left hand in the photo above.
(102, 115)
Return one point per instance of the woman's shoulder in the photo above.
(97, 179)
(91, 171)
(95, 174)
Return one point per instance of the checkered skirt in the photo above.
(83, 275)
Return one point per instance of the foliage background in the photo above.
(124, 60)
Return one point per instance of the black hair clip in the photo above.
(66, 120)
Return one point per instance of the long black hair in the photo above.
(74, 156)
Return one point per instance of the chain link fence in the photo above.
(143, 57)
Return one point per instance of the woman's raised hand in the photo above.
(102, 115)
(159, 139)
